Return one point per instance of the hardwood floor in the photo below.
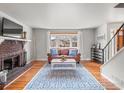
(93, 67)
(21, 82)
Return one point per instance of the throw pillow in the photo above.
(73, 52)
(64, 52)
(53, 51)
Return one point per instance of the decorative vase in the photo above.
(23, 35)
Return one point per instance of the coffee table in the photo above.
(60, 64)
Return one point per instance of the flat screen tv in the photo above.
(11, 29)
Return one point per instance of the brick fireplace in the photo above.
(11, 54)
(13, 60)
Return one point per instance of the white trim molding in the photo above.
(112, 81)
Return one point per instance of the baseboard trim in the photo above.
(28, 62)
(86, 59)
(112, 81)
(40, 60)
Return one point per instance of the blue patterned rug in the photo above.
(78, 79)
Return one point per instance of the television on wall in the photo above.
(11, 29)
(1, 26)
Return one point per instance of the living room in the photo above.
(57, 36)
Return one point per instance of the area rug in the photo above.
(78, 79)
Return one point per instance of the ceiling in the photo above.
(58, 15)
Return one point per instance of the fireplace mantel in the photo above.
(10, 38)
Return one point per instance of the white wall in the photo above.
(116, 15)
(101, 30)
(40, 40)
(87, 40)
(40, 44)
(28, 46)
(114, 69)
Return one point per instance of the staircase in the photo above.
(113, 67)
(115, 44)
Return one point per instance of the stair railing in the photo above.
(114, 45)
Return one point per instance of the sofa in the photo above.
(70, 53)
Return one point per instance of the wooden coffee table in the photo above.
(60, 64)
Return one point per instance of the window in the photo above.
(64, 40)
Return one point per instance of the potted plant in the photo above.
(63, 58)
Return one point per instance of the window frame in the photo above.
(66, 34)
